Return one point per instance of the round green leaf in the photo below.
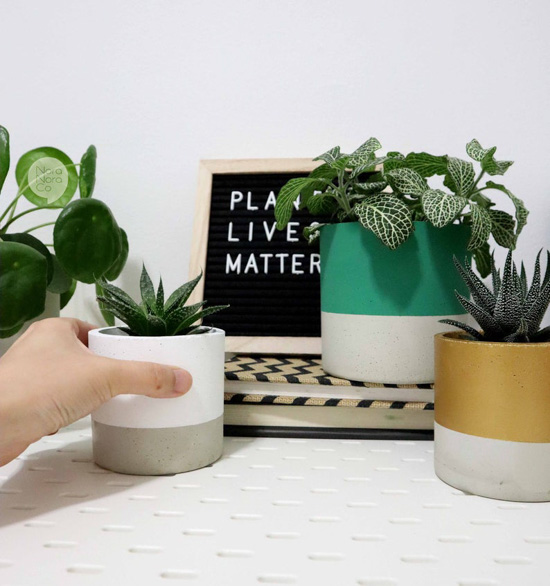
(86, 181)
(23, 277)
(4, 155)
(87, 239)
(33, 242)
(47, 177)
(116, 268)
(64, 298)
(60, 281)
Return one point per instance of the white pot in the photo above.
(51, 309)
(134, 434)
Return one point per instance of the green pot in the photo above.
(380, 308)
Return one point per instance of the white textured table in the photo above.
(271, 511)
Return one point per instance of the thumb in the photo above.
(147, 378)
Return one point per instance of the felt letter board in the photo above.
(269, 277)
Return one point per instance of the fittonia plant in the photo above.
(512, 311)
(154, 316)
(386, 194)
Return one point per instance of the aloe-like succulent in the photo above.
(154, 316)
(512, 311)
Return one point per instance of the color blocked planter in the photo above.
(134, 434)
(380, 307)
(492, 417)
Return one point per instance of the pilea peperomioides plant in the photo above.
(154, 316)
(386, 194)
(87, 240)
(512, 311)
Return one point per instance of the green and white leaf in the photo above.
(323, 175)
(393, 163)
(482, 258)
(481, 226)
(289, 193)
(341, 164)
(322, 204)
(388, 217)
(371, 187)
(493, 167)
(407, 181)
(462, 176)
(330, 156)
(365, 152)
(426, 165)
(441, 208)
(313, 232)
(502, 228)
(476, 151)
(521, 210)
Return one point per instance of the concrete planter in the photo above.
(492, 417)
(380, 307)
(133, 434)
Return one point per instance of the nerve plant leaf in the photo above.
(388, 217)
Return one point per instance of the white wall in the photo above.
(158, 85)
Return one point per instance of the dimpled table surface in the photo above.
(271, 511)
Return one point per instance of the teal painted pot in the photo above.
(380, 308)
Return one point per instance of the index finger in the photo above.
(81, 329)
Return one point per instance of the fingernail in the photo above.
(183, 381)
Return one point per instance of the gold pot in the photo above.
(492, 417)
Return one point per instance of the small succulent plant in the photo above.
(154, 316)
(512, 311)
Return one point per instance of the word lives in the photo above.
(262, 231)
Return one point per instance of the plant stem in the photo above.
(11, 205)
(475, 183)
(12, 220)
(39, 226)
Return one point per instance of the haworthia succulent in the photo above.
(155, 317)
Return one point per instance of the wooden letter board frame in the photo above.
(199, 246)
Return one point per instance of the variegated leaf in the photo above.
(372, 187)
(392, 163)
(407, 181)
(322, 204)
(481, 227)
(426, 165)
(289, 193)
(323, 175)
(312, 233)
(341, 163)
(482, 258)
(521, 210)
(475, 150)
(441, 208)
(462, 175)
(364, 153)
(330, 156)
(388, 217)
(502, 228)
(492, 166)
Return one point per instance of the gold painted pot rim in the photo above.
(460, 338)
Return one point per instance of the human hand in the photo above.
(49, 379)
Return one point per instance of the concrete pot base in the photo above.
(157, 451)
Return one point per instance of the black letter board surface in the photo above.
(269, 277)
